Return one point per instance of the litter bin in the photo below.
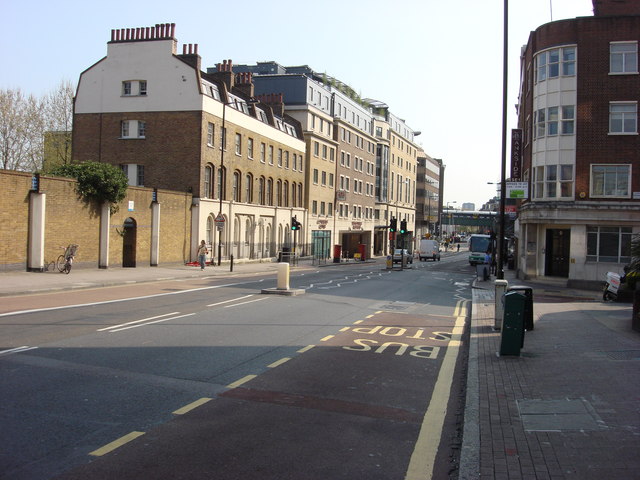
(528, 304)
(337, 252)
(512, 333)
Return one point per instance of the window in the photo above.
(300, 194)
(314, 207)
(554, 63)
(143, 87)
(315, 176)
(140, 176)
(552, 121)
(250, 148)
(261, 191)
(279, 193)
(262, 152)
(623, 57)
(294, 195)
(270, 192)
(324, 152)
(223, 138)
(324, 179)
(610, 180)
(285, 192)
(238, 144)
(134, 88)
(623, 118)
(248, 187)
(316, 149)
(210, 134)
(280, 157)
(286, 159)
(331, 179)
(322, 208)
(235, 192)
(330, 209)
(208, 177)
(609, 244)
(126, 88)
(128, 127)
(270, 154)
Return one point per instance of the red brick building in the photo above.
(578, 109)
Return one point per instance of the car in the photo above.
(399, 253)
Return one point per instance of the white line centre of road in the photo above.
(136, 321)
(227, 301)
(151, 323)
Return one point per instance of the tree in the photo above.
(26, 120)
(97, 181)
(21, 127)
(58, 119)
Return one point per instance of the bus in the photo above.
(479, 246)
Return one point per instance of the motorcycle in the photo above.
(611, 287)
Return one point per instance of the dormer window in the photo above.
(133, 88)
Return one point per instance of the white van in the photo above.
(429, 249)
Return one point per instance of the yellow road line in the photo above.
(191, 406)
(305, 349)
(279, 362)
(328, 337)
(344, 329)
(426, 447)
(109, 447)
(237, 383)
(360, 321)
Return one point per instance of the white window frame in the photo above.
(607, 170)
(628, 53)
(623, 116)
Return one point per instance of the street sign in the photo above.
(220, 218)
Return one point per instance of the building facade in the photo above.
(578, 109)
(167, 124)
(429, 184)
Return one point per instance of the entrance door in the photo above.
(129, 243)
(557, 252)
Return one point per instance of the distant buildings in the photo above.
(578, 110)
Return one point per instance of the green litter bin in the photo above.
(528, 304)
(512, 333)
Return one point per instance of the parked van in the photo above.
(429, 249)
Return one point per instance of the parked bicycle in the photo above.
(65, 261)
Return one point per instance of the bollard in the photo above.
(283, 276)
(231, 264)
(501, 288)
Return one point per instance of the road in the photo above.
(212, 379)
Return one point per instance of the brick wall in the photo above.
(69, 219)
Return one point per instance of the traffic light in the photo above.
(393, 224)
(403, 227)
(295, 224)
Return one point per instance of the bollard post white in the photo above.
(283, 276)
(501, 288)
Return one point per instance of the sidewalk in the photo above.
(568, 406)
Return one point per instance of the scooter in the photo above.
(611, 287)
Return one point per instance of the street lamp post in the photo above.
(223, 178)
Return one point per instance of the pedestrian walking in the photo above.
(202, 254)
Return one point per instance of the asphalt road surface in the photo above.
(359, 377)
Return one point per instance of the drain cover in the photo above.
(624, 355)
(558, 415)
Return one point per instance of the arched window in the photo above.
(270, 191)
(209, 238)
(294, 196)
(279, 193)
(235, 191)
(261, 191)
(285, 190)
(208, 182)
(300, 194)
(248, 187)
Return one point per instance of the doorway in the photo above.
(129, 243)
(557, 252)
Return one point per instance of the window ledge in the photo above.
(622, 133)
(623, 73)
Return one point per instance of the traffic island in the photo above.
(283, 283)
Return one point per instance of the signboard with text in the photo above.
(516, 153)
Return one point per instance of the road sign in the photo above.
(220, 218)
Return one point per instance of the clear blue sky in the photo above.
(437, 64)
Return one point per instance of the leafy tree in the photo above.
(97, 181)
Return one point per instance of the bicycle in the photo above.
(65, 261)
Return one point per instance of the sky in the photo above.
(437, 64)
